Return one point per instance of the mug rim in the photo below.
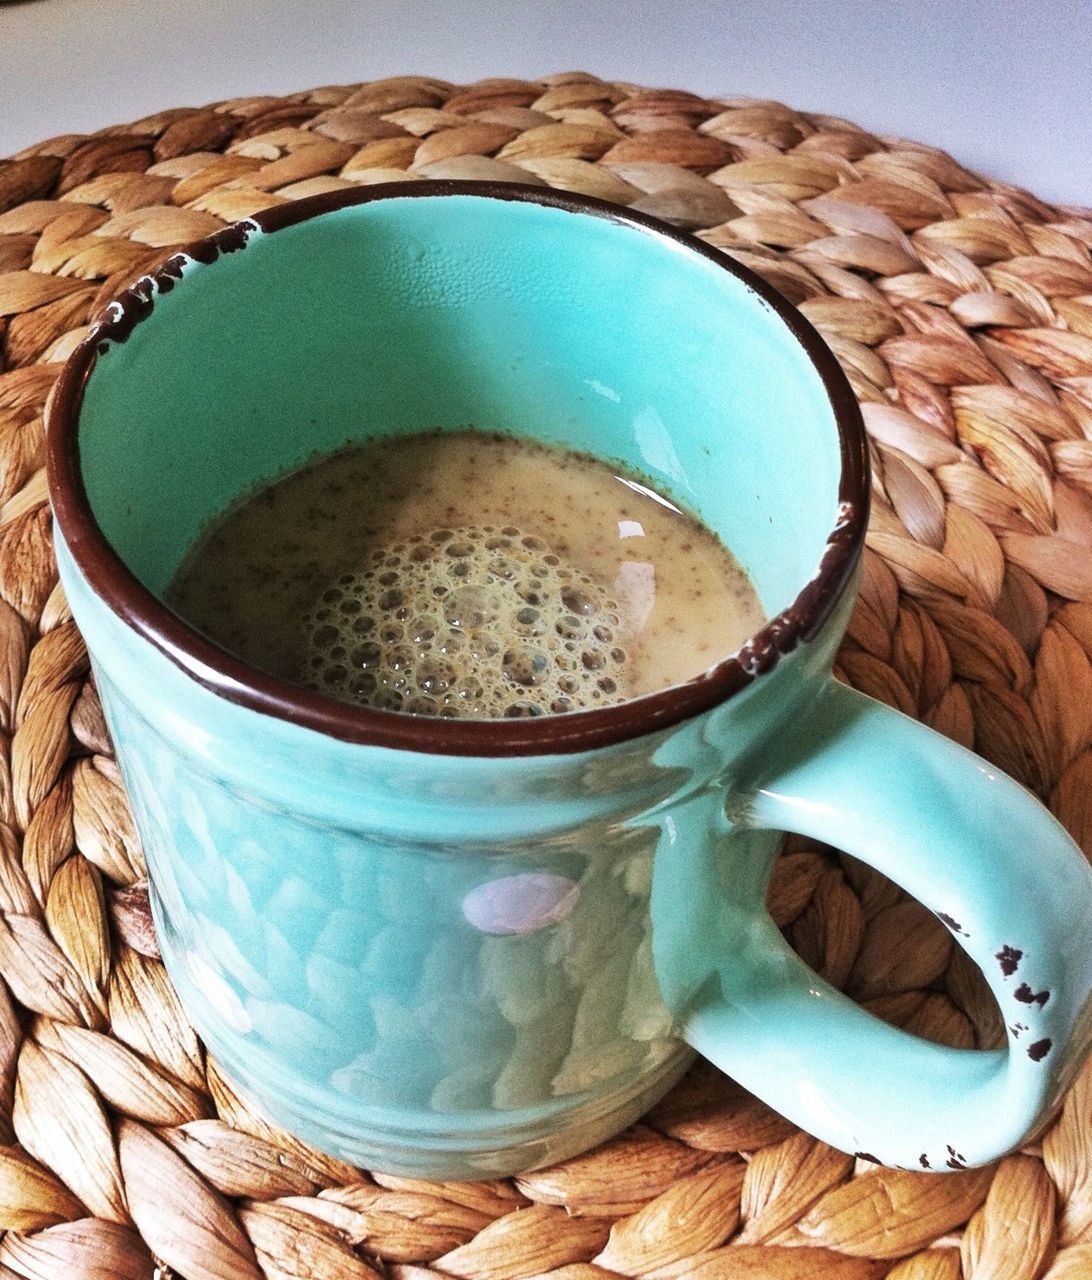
(231, 678)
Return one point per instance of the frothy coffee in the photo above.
(480, 623)
(465, 574)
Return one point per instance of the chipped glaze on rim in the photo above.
(222, 673)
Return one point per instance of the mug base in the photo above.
(469, 1145)
(404, 1150)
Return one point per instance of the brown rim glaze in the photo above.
(216, 669)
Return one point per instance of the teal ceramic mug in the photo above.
(458, 948)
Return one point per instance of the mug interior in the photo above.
(512, 311)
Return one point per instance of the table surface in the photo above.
(1002, 84)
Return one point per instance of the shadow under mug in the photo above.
(462, 949)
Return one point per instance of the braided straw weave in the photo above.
(961, 309)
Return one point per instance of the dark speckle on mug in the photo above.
(1025, 995)
(1039, 1050)
(954, 925)
(135, 303)
(1009, 959)
(170, 271)
(923, 1160)
(955, 1160)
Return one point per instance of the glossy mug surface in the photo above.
(457, 948)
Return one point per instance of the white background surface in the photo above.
(1005, 85)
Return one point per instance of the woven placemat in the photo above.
(961, 310)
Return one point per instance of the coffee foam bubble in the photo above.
(475, 623)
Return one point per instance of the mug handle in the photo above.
(980, 852)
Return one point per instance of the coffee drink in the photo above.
(466, 574)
